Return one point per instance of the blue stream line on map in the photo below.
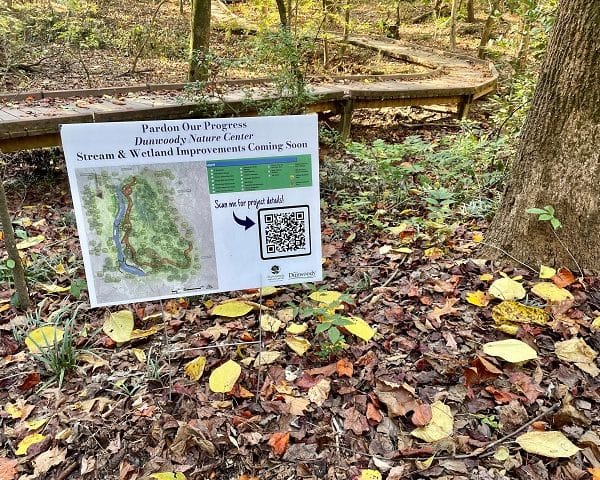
(123, 265)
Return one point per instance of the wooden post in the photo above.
(464, 105)
(347, 109)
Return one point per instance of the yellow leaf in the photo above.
(30, 242)
(440, 426)
(596, 323)
(13, 410)
(195, 368)
(434, 252)
(139, 354)
(512, 350)
(52, 288)
(137, 334)
(43, 337)
(425, 464)
(27, 442)
(502, 453)
(548, 444)
(232, 309)
(575, 350)
(477, 237)
(551, 293)
(223, 378)
(269, 323)
(266, 291)
(486, 277)
(168, 476)
(507, 289)
(298, 328)
(119, 326)
(266, 358)
(595, 472)
(326, 297)
(402, 250)
(546, 272)
(60, 269)
(512, 313)
(298, 344)
(370, 475)
(360, 328)
(509, 329)
(95, 360)
(35, 424)
(478, 298)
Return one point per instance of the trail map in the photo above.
(164, 210)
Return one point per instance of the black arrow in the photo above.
(244, 223)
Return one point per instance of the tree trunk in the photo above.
(281, 9)
(523, 50)
(199, 40)
(13, 253)
(470, 11)
(487, 29)
(453, 16)
(558, 160)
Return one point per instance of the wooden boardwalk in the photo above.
(33, 120)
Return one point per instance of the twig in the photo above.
(482, 450)
(167, 344)
(385, 284)
(509, 256)
(67, 471)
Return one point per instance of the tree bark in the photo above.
(13, 253)
(283, 16)
(199, 40)
(453, 15)
(558, 159)
(470, 11)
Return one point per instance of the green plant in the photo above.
(546, 214)
(61, 357)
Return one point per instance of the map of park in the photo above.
(146, 228)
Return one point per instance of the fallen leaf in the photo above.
(7, 468)
(513, 351)
(297, 404)
(507, 289)
(440, 426)
(422, 415)
(298, 344)
(139, 354)
(30, 242)
(486, 277)
(478, 298)
(551, 293)
(168, 476)
(296, 328)
(267, 291)
(577, 351)
(279, 442)
(511, 313)
(119, 326)
(269, 323)
(360, 328)
(551, 444)
(266, 358)
(344, 368)
(546, 272)
(21, 410)
(232, 309)
(433, 253)
(366, 474)
(48, 459)
(596, 323)
(502, 453)
(355, 421)
(373, 413)
(398, 399)
(563, 278)
(27, 442)
(195, 368)
(136, 334)
(223, 378)
(36, 423)
(326, 297)
(93, 359)
(319, 392)
(43, 337)
(52, 288)
(447, 309)
(594, 471)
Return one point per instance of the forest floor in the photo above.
(404, 212)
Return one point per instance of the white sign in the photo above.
(173, 208)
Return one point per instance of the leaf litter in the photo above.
(195, 395)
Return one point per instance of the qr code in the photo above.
(284, 232)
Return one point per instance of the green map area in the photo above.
(136, 227)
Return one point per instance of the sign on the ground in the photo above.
(175, 208)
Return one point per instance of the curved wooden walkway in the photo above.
(32, 120)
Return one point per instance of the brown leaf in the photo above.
(373, 413)
(563, 277)
(446, 309)
(7, 468)
(8, 346)
(397, 398)
(355, 421)
(279, 442)
(501, 396)
(422, 415)
(327, 370)
(525, 384)
(344, 368)
(31, 380)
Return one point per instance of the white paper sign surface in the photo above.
(176, 208)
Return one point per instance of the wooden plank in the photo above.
(9, 145)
